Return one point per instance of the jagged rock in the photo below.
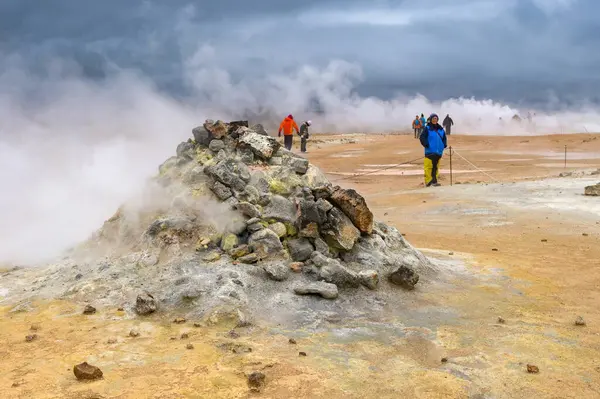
(89, 309)
(202, 136)
(324, 205)
(246, 155)
(404, 276)
(325, 290)
(369, 278)
(184, 150)
(276, 161)
(221, 191)
(593, 190)
(322, 247)
(279, 229)
(228, 242)
(249, 259)
(299, 165)
(300, 249)
(229, 172)
(355, 207)
(250, 194)
(276, 271)
(280, 209)
(260, 129)
(85, 371)
(248, 209)
(332, 271)
(212, 256)
(310, 213)
(342, 234)
(218, 129)
(323, 192)
(235, 125)
(314, 177)
(239, 251)
(265, 242)
(216, 145)
(311, 230)
(262, 146)
(145, 304)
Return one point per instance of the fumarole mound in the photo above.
(235, 224)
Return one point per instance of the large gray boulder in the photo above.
(265, 243)
(300, 249)
(229, 172)
(262, 146)
(341, 232)
(332, 271)
(202, 136)
(280, 209)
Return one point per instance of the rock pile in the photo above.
(243, 225)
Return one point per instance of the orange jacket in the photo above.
(288, 125)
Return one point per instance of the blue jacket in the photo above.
(423, 122)
(433, 139)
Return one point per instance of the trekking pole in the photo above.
(450, 165)
(565, 156)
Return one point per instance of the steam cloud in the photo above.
(75, 142)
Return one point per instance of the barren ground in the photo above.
(532, 241)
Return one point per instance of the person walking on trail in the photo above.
(423, 122)
(288, 125)
(447, 124)
(304, 135)
(417, 126)
(433, 139)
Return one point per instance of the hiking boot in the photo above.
(436, 184)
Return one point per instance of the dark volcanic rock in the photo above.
(404, 276)
(84, 371)
(145, 304)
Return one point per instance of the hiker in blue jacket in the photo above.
(433, 139)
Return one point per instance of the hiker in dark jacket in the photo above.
(433, 139)
(447, 123)
(304, 135)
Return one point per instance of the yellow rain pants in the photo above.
(432, 170)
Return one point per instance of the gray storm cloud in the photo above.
(93, 96)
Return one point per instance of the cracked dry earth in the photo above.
(526, 252)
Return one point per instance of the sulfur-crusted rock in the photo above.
(262, 146)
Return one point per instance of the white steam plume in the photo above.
(71, 151)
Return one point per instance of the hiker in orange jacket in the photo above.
(288, 125)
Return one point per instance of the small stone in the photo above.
(197, 325)
(145, 304)
(185, 336)
(89, 309)
(233, 334)
(296, 267)
(31, 337)
(495, 249)
(35, 327)
(404, 276)
(79, 276)
(189, 346)
(325, 290)
(292, 341)
(276, 271)
(256, 381)
(450, 253)
(301, 353)
(444, 360)
(532, 369)
(585, 234)
(544, 240)
(134, 333)
(179, 320)
(111, 341)
(369, 278)
(249, 259)
(212, 256)
(120, 310)
(501, 320)
(579, 321)
(86, 371)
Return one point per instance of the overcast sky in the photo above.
(521, 51)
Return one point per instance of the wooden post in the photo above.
(450, 165)
(565, 156)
